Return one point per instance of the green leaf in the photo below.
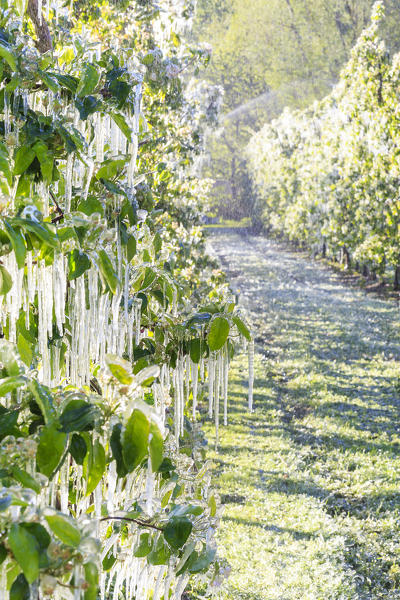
(43, 231)
(195, 350)
(8, 423)
(25, 550)
(8, 384)
(110, 169)
(156, 447)
(25, 479)
(78, 415)
(160, 554)
(144, 546)
(87, 106)
(67, 81)
(6, 282)
(120, 121)
(50, 449)
(78, 448)
(242, 328)
(120, 368)
(218, 333)
(20, 589)
(120, 90)
(23, 159)
(64, 529)
(8, 56)
(3, 553)
(135, 440)
(78, 263)
(44, 400)
(199, 319)
(112, 187)
(131, 248)
(50, 81)
(45, 157)
(116, 447)
(201, 561)
(25, 350)
(43, 540)
(107, 271)
(92, 580)
(109, 561)
(177, 531)
(91, 205)
(12, 85)
(88, 82)
(94, 466)
(5, 164)
(18, 244)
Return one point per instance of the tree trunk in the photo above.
(347, 258)
(44, 42)
(397, 278)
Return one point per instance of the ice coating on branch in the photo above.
(78, 318)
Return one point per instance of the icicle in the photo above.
(195, 378)
(138, 312)
(216, 398)
(69, 172)
(63, 486)
(7, 125)
(149, 489)
(39, 10)
(157, 588)
(182, 394)
(182, 582)
(176, 407)
(89, 175)
(251, 373)
(187, 382)
(168, 579)
(225, 383)
(211, 376)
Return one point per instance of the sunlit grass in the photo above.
(310, 480)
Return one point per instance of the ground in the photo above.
(310, 480)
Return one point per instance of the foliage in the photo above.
(107, 304)
(268, 55)
(328, 177)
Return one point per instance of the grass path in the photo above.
(311, 479)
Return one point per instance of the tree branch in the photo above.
(44, 42)
(137, 521)
(59, 210)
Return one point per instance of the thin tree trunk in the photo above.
(397, 278)
(44, 42)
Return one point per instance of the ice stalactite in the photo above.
(251, 373)
(7, 122)
(194, 367)
(150, 482)
(69, 171)
(89, 175)
(137, 303)
(211, 377)
(217, 392)
(225, 382)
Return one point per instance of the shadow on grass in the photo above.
(296, 534)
